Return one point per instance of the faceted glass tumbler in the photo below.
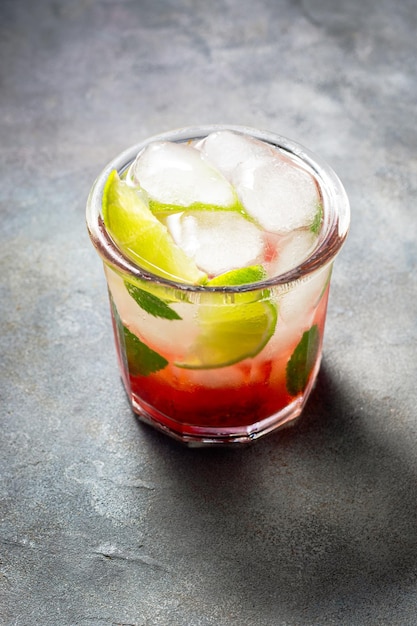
(175, 375)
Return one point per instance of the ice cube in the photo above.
(226, 150)
(218, 241)
(156, 332)
(214, 378)
(179, 175)
(293, 248)
(277, 193)
(297, 309)
(301, 301)
(287, 334)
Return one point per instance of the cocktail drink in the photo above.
(218, 245)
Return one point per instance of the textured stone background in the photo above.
(103, 521)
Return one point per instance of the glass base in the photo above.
(195, 436)
(198, 436)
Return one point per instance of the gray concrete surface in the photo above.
(104, 522)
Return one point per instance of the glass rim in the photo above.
(334, 230)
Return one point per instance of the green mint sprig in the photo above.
(151, 303)
(302, 361)
(139, 358)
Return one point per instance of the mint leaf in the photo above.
(318, 218)
(138, 358)
(302, 361)
(151, 304)
(141, 359)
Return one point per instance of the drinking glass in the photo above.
(172, 364)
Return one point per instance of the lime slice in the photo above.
(241, 276)
(142, 236)
(232, 331)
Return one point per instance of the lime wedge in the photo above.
(230, 334)
(230, 331)
(141, 236)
